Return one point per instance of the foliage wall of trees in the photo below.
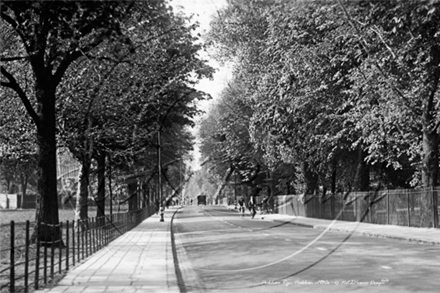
(102, 79)
(338, 94)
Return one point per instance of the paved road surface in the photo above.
(220, 252)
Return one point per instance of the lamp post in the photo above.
(159, 166)
(235, 188)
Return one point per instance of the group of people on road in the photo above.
(252, 204)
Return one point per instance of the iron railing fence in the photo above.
(27, 266)
(403, 207)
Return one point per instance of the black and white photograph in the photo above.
(220, 146)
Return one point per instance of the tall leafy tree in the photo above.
(123, 93)
(401, 71)
(226, 143)
(311, 72)
(51, 36)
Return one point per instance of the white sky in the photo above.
(203, 11)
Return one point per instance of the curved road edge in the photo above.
(187, 278)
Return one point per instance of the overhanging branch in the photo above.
(12, 84)
(364, 44)
(8, 59)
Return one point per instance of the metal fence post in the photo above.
(12, 259)
(67, 245)
(105, 236)
(60, 254)
(52, 260)
(320, 205)
(99, 232)
(80, 239)
(87, 227)
(332, 206)
(93, 234)
(435, 207)
(408, 208)
(73, 242)
(89, 233)
(45, 263)
(388, 207)
(37, 258)
(370, 209)
(343, 206)
(355, 208)
(26, 259)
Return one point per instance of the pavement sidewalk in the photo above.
(141, 260)
(420, 235)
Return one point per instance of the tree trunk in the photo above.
(430, 172)
(362, 177)
(334, 176)
(100, 199)
(310, 179)
(110, 190)
(82, 194)
(11, 186)
(8, 185)
(333, 187)
(431, 140)
(132, 193)
(430, 169)
(144, 194)
(224, 182)
(47, 201)
(24, 181)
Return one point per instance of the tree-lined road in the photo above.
(227, 253)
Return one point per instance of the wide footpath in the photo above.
(142, 260)
(413, 234)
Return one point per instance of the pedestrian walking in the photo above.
(252, 207)
(157, 205)
(253, 201)
(241, 206)
(265, 204)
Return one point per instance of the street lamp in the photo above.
(159, 166)
(180, 182)
(235, 188)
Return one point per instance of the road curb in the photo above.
(368, 234)
(183, 267)
(179, 277)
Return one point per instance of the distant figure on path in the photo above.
(253, 201)
(241, 206)
(157, 206)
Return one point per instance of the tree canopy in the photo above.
(344, 92)
(99, 77)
